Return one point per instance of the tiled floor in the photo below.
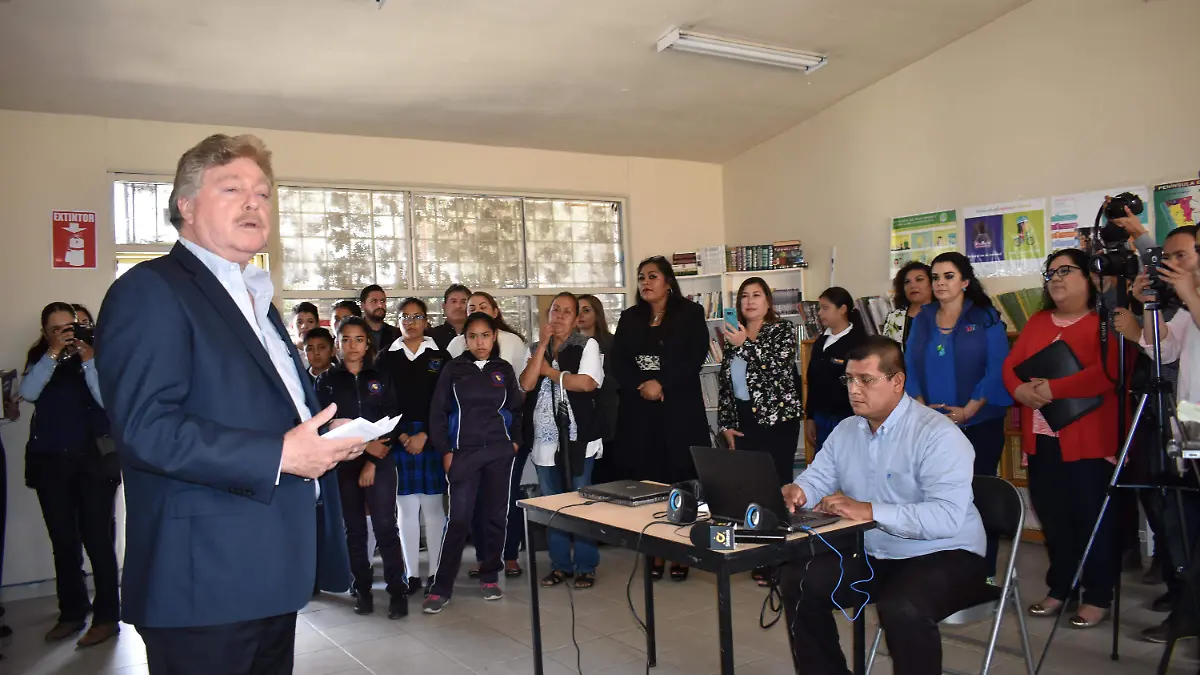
(494, 638)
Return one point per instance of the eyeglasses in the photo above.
(864, 381)
(1061, 272)
(412, 318)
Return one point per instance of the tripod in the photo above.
(1161, 429)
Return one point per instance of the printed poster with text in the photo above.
(1175, 205)
(1006, 239)
(922, 237)
(1068, 213)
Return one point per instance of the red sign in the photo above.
(73, 240)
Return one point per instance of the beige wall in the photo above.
(1059, 96)
(63, 162)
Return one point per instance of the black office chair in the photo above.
(1002, 509)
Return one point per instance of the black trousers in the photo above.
(1067, 497)
(988, 440)
(381, 498)
(514, 533)
(477, 476)
(779, 441)
(258, 647)
(77, 506)
(911, 595)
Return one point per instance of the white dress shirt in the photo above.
(1182, 343)
(832, 337)
(252, 291)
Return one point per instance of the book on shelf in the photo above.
(1018, 306)
(685, 264)
(710, 301)
(785, 301)
(764, 257)
(711, 259)
(874, 310)
(808, 328)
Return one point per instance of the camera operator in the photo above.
(1179, 275)
(73, 473)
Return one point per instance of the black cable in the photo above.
(773, 601)
(633, 571)
(570, 591)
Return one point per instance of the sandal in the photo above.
(555, 578)
(513, 569)
(657, 569)
(679, 572)
(473, 573)
(585, 580)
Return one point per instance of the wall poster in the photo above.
(1175, 205)
(922, 237)
(1070, 212)
(1006, 239)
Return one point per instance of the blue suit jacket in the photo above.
(199, 413)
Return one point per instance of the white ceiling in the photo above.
(578, 75)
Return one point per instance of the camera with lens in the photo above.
(82, 333)
(75, 333)
(1114, 259)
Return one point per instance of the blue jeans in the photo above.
(825, 426)
(587, 556)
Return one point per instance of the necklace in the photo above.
(657, 317)
(945, 332)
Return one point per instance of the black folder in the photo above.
(1052, 363)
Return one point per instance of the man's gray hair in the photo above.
(216, 150)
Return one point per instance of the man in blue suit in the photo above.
(217, 435)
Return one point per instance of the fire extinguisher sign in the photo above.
(73, 240)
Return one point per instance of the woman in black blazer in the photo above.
(657, 352)
(828, 400)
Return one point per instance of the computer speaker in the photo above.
(759, 519)
(682, 505)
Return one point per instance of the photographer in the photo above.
(72, 469)
(1179, 337)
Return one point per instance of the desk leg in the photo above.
(725, 622)
(860, 624)
(535, 609)
(651, 647)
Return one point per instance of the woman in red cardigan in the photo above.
(1069, 470)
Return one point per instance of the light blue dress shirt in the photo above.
(737, 372)
(916, 472)
(39, 374)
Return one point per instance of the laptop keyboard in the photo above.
(804, 517)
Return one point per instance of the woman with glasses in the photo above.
(513, 350)
(416, 363)
(911, 290)
(828, 400)
(1069, 469)
(955, 358)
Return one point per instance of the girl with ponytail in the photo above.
(828, 399)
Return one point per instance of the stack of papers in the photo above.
(361, 428)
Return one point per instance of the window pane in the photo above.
(342, 239)
(140, 213)
(568, 238)
(460, 239)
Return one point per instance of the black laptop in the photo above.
(731, 480)
(626, 492)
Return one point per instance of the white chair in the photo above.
(1003, 512)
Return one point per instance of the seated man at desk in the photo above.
(908, 468)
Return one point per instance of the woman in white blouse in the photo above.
(565, 364)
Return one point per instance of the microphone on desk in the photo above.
(724, 537)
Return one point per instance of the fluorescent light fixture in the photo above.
(699, 43)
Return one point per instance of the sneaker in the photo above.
(434, 603)
(491, 591)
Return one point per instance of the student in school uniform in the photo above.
(319, 348)
(514, 350)
(416, 361)
(828, 398)
(361, 390)
(475, 421)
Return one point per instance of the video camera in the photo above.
(1113, 258)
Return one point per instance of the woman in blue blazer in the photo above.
(955, 356)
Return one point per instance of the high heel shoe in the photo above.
(657, 569)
